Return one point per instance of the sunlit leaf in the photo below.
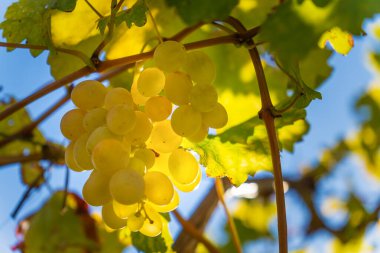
(342, 42)
(31, 174)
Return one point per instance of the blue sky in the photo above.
(330, 118)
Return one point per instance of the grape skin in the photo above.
(121, 119)
(72, 124)
(89, 94)
(163, 138)
(151, 81)
(127, 187)
(158, 108)
(95, 190)
(169, 56)
(200, 67)
(183, 166)
(186, 121)
(178, 87)
(158, 188)
(111, 219)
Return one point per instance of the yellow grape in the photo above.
(121, 119)
(81, 154)
(69, 158)
(94, 119)
(183, 166)
(137, 97)
(147, 156)
(158, 108)
(163, 138)
(186, 121)
(189, 187)
(151, 81)
(153, 226)
(158, 188)
(141, 131)
(216, 118)
(99, 134)
(124, 211)
(127, 187)
(204, 98)
(110, 218)
(118, 96)
(137, 165)
(109, 156)
(135, 222)
(200, 67)
(178, 87)
(200, 135)
(174, 203)
(89, 94)
(169, 55)
(72, 124)
(96, 191)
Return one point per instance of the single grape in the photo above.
(121, 119)
(189, 187)
(216, 118)
(146, 155)
(141, 131)
(94, 119)
(99, 134)
(200, 67)
(118, 96)
(69, 158)
(135, 222)
(151, 81)
(169, 207)
(169, 56)
(200, 135)
(163, 138)
(81, 154)
(109, 156)
(178, 87)
(158, 108)
(204, 98)
(183, 166)
(124, 211)
(127, 187)
(152, 224)
(158, 188)
(89, 94)
(137, 165)
(186, 121)
(95, 190)
(137, 97)
(72, 124)
(111, 219)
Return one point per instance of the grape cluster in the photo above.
(130, 144)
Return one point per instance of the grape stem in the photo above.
(191, 230)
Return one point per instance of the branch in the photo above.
(191, 230)
(6, 160)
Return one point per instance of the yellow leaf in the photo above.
(342, 42)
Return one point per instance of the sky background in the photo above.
(330, 119)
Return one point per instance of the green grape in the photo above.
(151, 81)
(189, 187)
(95, 190)
(121, 119)
(147, 156)
(163, 138)
(124, 211)
(127, 187)
(109, 156)
(136, 96)
(99, 134)
(186, 121)
(153, 225)
(158, 108)
(158, 188)
(200, 67)
(94, 119)
(178, 87)
(169, 56)
(69, 158)
(137, 165)
(81, 154)
(183, 166)
(89, 94)
(111, 219)
(141, 132)
(135, 222)
(118, 96)
(169, 207)
(204, 98)
(200, 135)
(72, 124)
(216, 118)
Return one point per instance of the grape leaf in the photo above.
(148, 244)
(63, 5)
(194, 11)
(31, 172)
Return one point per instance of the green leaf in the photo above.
(135, 15)
(148, 244)
(64, 5)
(307, 96)
(194, 11)
(30, 172)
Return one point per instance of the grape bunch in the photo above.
(132, 139)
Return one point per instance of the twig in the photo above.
(190, 229)
(235, 236)
(65, 189)
(94, 9)
(6, 160)
(154, 23)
